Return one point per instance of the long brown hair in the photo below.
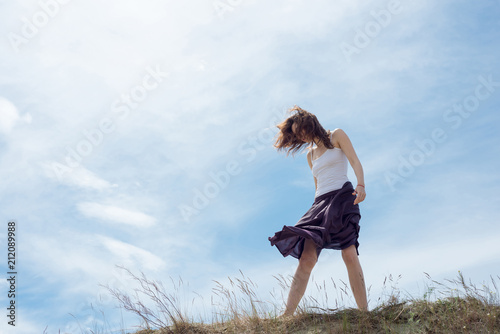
(306, 122)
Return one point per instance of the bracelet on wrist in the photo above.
(360, 185)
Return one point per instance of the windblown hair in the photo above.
(306, 122)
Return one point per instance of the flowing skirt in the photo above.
(332, 222)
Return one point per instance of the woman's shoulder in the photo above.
(334, 136)
(334, 130)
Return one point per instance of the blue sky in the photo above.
(117, 118)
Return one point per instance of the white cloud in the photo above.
(9, 115)
(79, 176)
(27, 118)
(78, 264)
(116, 214)
(131, 255)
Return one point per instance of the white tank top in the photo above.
(330, 170)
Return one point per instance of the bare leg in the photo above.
(299, 283)
(356, 278)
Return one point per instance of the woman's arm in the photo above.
(343, 141)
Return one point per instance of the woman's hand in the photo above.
(360, 194)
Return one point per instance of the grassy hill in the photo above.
(460, 308)
(453, 315)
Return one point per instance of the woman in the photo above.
(332, 222)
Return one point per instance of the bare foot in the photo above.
(285, 316)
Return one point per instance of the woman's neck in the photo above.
(319, 143)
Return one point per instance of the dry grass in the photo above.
(452, 307)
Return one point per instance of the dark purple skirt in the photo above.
(332, 222)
